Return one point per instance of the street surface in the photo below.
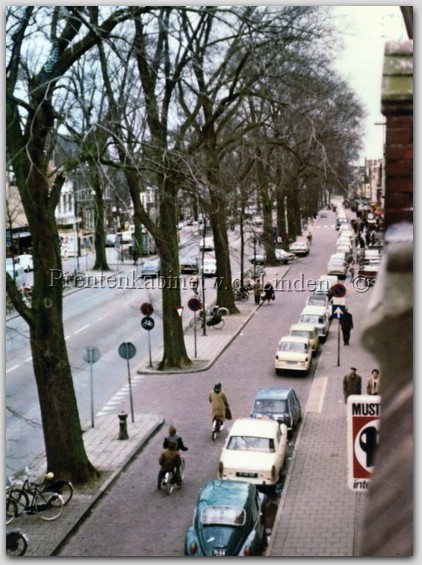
(147, 522)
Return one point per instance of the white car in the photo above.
(300, 248)
(320, 300)
(308, 331)
(206, 244)
(26, 262)
(324, 284)
(337, 267)
(293, 354)
(209, 267)
(317, 316)
(254, 451)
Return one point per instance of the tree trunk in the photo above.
(174, 354)
(101, 263)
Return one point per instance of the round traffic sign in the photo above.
(147, 309)
(147, 323)
(127, 350)
(194, 304)
(338, 290)
(91, 354)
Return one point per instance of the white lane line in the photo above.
(12, 368)
(317, 395)
(81, 329)
(28, 359)
(102, 317)
(67, 337)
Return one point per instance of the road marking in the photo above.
(102, 317)
(28, 359)
(81, 329)
(67, 337)
(317, 395)
(12, 368)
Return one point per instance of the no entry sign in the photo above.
(363, 422)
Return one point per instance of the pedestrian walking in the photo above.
(346, 325)
(352, 270)
(194, 282)
(352, 383)
(373, 387)
(268, 292)
(257, 291)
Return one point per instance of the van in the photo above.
(17, 272)
(317, 316)
(310, 332)
(206, 244)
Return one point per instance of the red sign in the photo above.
(363, 419)
(338, 290)
(147, 309)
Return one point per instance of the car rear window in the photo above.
(293, 346)
(270, 406)
(223, 516)
(251, 443)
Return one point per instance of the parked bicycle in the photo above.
(41, 498)
(214, 317)
(241, 294)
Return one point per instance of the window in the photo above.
(223, 515)
(250, 443)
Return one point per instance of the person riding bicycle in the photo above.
(174, 437)
(169, 461)
(219, 403)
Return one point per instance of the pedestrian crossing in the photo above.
(121, 397)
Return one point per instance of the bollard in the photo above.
(123, 425)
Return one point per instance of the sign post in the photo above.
(194, 304)
(148, 323)
(338, 309)
(363, 424)
(91, 356)
(127, 350)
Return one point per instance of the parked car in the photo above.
(300, 248)
(324, 284)
(317, 316)
(281, 256)
(254, 452)
(150, 268)
(341, 220)
(310, 332)
(209, 267)
(320, 300)
(189, 265)
(278, 403)
(337, 267)
(26, 262)
(293, 354)
(229, 520)
(206, 243)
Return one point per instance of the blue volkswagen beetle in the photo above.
(229, 520)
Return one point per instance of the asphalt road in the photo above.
(102, 315)
(133, 518)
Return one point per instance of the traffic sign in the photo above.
(147, 323)
(338, 290)
(363, 424)
(338, 310)
(194, 304)
(91, 354)
(127, 350)
(147, 309)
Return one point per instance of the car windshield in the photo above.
(293, 346)
(270, 406)
(251, 443)
(223, 516)
(302, 333)
(317, 300)
(310, 319)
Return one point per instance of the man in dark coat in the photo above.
(346, 324)
(352, 383)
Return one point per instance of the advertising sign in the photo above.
(363, 422)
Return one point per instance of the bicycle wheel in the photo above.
(16, 544)
(11, 510)
(48, 505)
(182, 468)
(169, 483)
(62, 487)
(244, 296)
(21, 499)
(223, 311)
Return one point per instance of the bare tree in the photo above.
(58, 37)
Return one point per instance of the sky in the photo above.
(361, 63)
